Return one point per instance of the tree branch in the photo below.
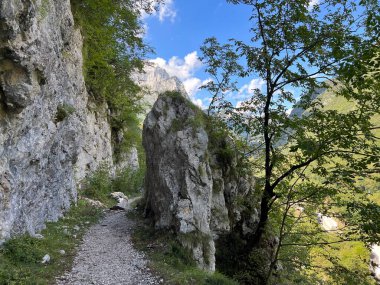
(318, 243)
(294, 58)
(292, 169)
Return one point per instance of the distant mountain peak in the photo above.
(157, 80)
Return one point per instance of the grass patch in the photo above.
(169, 259)
(20, 258)
(101, 184)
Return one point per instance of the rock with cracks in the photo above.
(190, 186)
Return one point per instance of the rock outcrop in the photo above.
(155, 81)
(375, 262)
(50, 134)
(193, 185)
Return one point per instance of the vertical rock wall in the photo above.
(178, 180)
(50, 135)
(189, 187)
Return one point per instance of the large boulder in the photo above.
(193, 184)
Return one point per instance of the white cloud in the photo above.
(202, 103)
(256, 83)
(289, 111)
(239, 104)
(312, 3)
(199, 103)
(192, 85)
(182, 68)
(165, 10)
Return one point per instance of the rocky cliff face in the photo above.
(50, 134)
(192, 182)
(155, 81)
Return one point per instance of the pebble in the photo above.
(107, 256)
(45, 259)
(39, 236)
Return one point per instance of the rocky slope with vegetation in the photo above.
(62, 113)
(70, 121)
(195, 183)
(51, 133)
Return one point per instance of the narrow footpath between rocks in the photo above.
(107, 256)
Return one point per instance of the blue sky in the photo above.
(178, 30)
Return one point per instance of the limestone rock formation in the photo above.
(190, 186)
(122, 200)
(50, 134)
(375, 262)
(178, 176)
(155, 81)
(327, 223)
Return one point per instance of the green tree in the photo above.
(313, 160)
(113, 49)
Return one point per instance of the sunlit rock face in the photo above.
(375, 262)
(50, 134)
(189, 187)
(155, 81)
(179, 180)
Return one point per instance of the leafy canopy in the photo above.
(113, 49)
(312, 160)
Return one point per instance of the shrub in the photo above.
(170, 259)
(100, 184)
(113, 49)
(129, 181)
(63, 111)
(24, 249)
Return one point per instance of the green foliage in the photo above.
(170, 259)
(20, 257)
(97, 186)
(44, 9)
(191, 240)
(313, 160)
(113, 49)
(63, 111)
(24, 249)
(228, 148)
(177, 125)
(100, 184)
(195, 120)
(128, 181)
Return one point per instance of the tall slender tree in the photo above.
(303, 47)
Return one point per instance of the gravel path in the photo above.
(107, 256)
